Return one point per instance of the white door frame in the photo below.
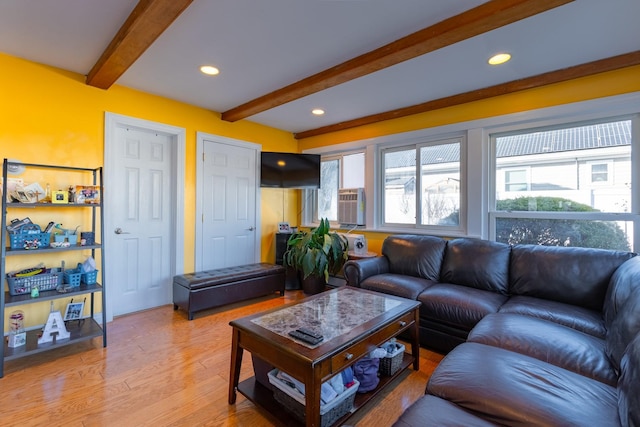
(177, 136)
(201, 137)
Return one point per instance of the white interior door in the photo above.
(227, 191)
(140, 219)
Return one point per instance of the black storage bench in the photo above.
(213, 288)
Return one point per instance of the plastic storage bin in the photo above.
(89, 278)
(72, 277)
(47, 281)
(294, 401)
(29, 233)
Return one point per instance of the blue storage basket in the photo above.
(29, 232)
(89, 278)
(72, 277)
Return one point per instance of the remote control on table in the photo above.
(309, 332)
(304, 337)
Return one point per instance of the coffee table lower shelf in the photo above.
(263, 398)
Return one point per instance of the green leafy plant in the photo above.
(318, 252)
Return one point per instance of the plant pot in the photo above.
(313, 284)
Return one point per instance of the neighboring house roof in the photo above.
(550, 141)
(579, 138)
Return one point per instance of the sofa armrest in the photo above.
(355, 271)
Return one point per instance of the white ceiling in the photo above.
(263, 45)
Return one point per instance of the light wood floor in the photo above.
(161, 370)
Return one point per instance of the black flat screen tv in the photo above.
(289, 170)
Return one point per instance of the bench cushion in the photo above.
(221, 276)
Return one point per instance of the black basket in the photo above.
(390, 364)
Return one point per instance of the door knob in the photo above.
(251, 228)
(119, 231)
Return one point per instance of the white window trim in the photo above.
(610, 171)
(478, 176)
(633, 216)
(527, 171)
(445, 230)
(310, 202)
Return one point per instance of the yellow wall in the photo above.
(51, 116)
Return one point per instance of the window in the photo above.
(431, 200)
(564, 186)
(516, 180)
(341, 171)
(599, 173)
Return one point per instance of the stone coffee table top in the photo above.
(330, 314)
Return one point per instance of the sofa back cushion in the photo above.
(629, 385)
(480, 264)
(624, 328)
(623, 282)
(578, 276)
(411, 255)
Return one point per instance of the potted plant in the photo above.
(316, 254)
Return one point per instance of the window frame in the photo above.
(609, 164)
(632, 216)
(478, 176)
(311, 195)
(442, 230)
(527, 180)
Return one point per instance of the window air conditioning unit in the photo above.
(351, 206)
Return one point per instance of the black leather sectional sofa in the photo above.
(535, 335)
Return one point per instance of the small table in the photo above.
(353, 322)
(353, 255)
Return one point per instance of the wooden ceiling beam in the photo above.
(575, 72)
(147, 21)
(486, 17)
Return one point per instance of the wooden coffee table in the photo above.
(352, 320)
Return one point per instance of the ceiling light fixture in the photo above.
(498, 59)
(317, 111)
(209, 70)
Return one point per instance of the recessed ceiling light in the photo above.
(317, 111)
(209, 70)
(498, 59)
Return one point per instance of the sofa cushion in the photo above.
(418, 256)
(458, 306)
(433, 411)
(550, 342)
(397, 284)
(629, 385)
(623, 281)
(624, 328)
(480, 264)
(578, 318)
(577, 276)
(512, 389)
(355, 271)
